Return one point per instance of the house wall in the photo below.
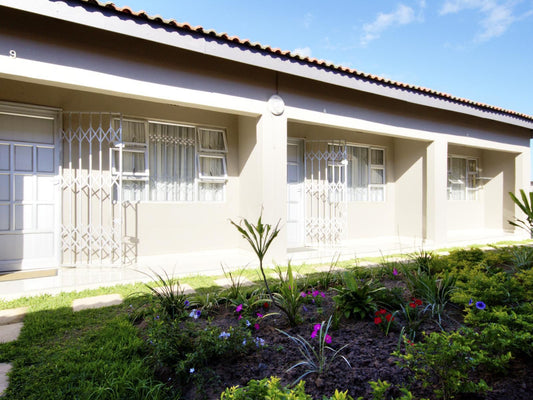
(79, 68)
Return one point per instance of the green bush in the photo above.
(445, 361)
(357, 298)
(271, 389)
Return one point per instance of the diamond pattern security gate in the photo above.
(91, 220)
(325, 192)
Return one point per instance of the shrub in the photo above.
(288, 297)
(447, 361)
(357, 298)
(170, 296)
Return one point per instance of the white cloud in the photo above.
(402, 16)
(496, 16)
(303, 51)
(308, 19)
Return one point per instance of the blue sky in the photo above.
(481, 50)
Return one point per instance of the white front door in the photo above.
(28, 186)
(295, 194)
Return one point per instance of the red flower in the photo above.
(383, 311)
(265, 305)
(412, 305)
(389, 317)
(377, 320)
(418, 302)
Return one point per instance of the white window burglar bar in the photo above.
(365, 173)
(463, 178)
(171, 162)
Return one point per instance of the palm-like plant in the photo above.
(526, 205)
(260, 236)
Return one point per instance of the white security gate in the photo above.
(28, 188)
(325, 192)
(92, 209)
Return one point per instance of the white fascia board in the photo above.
(363, 125)
(98, 82)
(212, 46)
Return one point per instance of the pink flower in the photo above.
(313, 335)
(395, 272)
(240, 317)
(323, 295)
(259, 315)
(315, 293)
(327, 339)
(239, 308)
(256, 326)
(316, 327)
(303, 294)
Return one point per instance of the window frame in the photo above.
(468, 190)
(145, 178)
(371, 167)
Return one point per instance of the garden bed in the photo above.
(219, 325)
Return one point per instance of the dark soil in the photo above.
(368, 352)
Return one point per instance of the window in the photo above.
(365, 173)
(168, 162)
(463, 178)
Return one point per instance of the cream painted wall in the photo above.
(410, 182)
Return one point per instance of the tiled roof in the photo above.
(311, 61)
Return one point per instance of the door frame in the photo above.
(301, 225)
(52, 114)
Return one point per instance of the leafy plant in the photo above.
(267, 388)
(315, 357)
(521, 257)
(169, 295)
(526, 205)
(446, 361)
(436, 292)
(381, 389)
(412, 315)
(260, 236)
(288, 297)
(356, 299)
(236, 286)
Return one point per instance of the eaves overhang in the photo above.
(108, 17)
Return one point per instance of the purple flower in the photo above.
(224, 335)
(470, 302)
(186, 303)
(256, 326)
(322, 295)
(315, 293)
(248, 323)
(303, 294)
(239, 308)
(316, 327)
(395, 272)
(327, 339)
(480, 305)
(313, 334)
(259, 342)
(259, 315)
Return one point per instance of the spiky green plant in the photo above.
(260, 236)
(526, 205)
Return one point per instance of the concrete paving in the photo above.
(105, 300)
(11, 332)
(4, 379)
(186, 289)
(227, 282)
(12, 315)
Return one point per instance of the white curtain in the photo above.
(172, 169)
(357, 173)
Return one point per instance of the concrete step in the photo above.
(12, 315)
(4, 379)
(105, 300)
(11, 332)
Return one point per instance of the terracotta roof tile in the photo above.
(313, 61)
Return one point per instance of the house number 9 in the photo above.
(12, 53)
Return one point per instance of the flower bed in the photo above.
(458, 326)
